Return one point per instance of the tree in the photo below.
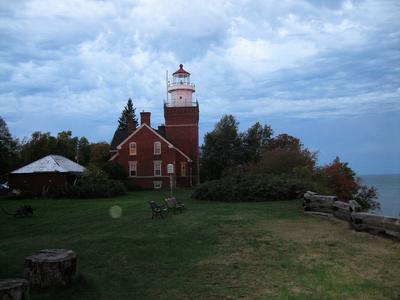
(254, 140)
(8, 150)
(43, 143)
(39, 145)
(66, 145)
(341, 179)
(284, 154)
(221, 149)
(285, 142)
(99, 154)
(127, 114)
(84, 151)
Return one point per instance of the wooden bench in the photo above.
(172, 203)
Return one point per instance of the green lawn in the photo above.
(211, 251)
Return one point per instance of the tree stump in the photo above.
(14, 289)
(50, 267)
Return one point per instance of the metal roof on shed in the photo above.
(51, 163)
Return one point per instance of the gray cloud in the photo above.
(82, 59)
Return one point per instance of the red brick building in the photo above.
(146, 152)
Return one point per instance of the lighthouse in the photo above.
(181, 113)
(146, 154)
(180, 89)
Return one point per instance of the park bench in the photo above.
(158, 210)
(174, 204)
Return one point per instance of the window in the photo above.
(183, 168)
(157, 168)
(132, 169)
(157, 185)
(132, 148)
(157, 148)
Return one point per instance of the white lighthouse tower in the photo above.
(180, 89)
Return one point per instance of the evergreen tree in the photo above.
(84, 151)
(8, 150)
(127, 114)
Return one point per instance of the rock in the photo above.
(14, 289)
(50, 267)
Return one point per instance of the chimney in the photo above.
(145, 118)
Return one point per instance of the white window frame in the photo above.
(183, 168)
(157, 185)
(132, 167)
(132, 148)
(157, 148)
(156, 164)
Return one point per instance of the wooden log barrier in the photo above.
(315, 202)
(50, 267)
(14, 289)
(341, 210)
(376, 223)
(354, 206)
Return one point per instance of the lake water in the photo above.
(388, 192)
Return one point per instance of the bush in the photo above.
(22, 195)
(114, 171)
(367, 198)
(131, 186)
(94, 183)
(253, 188)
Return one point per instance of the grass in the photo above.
(212, 251)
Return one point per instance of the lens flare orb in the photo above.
(115, 212)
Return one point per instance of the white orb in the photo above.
(115, 211)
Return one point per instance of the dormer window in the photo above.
(132, 148)
(157, 148)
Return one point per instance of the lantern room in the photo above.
(180, 89)
(181, 76)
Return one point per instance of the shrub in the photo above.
(114, 170)
(94, 183)
(22, 195)
(366, 197)
(131, 186)
(252, 188)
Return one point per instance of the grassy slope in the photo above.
(212, 251)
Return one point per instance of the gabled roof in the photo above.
(51, 163)
(119, 136)
(144, 125)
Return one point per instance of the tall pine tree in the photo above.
(127, 114)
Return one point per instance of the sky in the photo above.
(327, 72)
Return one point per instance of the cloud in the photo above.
(250, 58)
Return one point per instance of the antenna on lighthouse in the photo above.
(166, 86)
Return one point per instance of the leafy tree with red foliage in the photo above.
(341, 179)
